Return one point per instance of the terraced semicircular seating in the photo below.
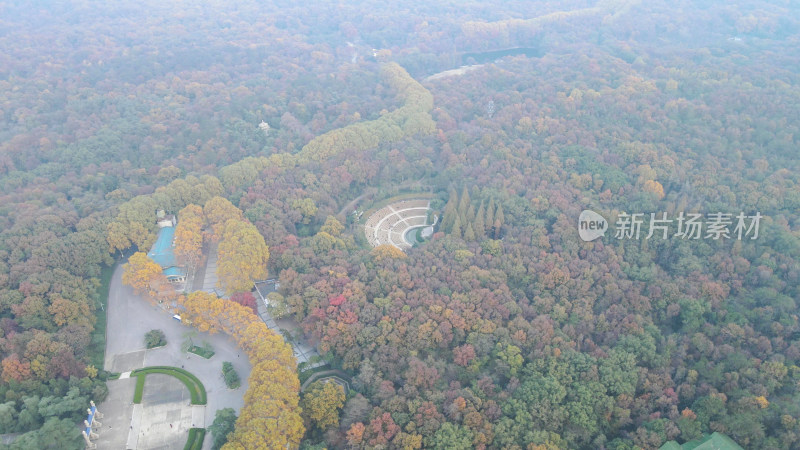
(390, 224)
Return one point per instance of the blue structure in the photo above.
(92, 414)
(163, 253)
(90, 419)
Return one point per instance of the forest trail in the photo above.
(453, 72)
(354, 202)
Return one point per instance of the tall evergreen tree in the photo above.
(464, 202)
(489, 221)
(450, 212)
(479, 226)
(456, 231)
(469, 234)
(499, 219)
(471, 213)
(499, 216)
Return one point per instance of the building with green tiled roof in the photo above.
(713, 441)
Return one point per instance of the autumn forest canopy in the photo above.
(273, 130)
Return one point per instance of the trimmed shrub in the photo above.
(231, 377)
(155, 338)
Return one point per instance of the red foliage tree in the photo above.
(245, 299)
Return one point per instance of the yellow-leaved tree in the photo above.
(387, 251)
(218, 211)
(654, 187)
(141, 273)
(271, 415)
(117, 237)
(322, 402)
(189, 236)
(241, 257)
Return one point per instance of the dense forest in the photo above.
(506, 330)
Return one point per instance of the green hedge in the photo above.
(195, 441)
(137, 395)
(196, 389)
(204, 352)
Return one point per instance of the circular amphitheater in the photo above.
(393, 223)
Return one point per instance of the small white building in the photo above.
(264, 126)
(165, 220)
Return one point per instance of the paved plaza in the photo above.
(165, 415)
(129, 318)
(166, 400)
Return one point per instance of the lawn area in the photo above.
(205, 351)
(137, 394)
(195, 441)
(196, 389)
(97, 344)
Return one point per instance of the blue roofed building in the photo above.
(163, 253)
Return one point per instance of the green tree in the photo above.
(450, 212)
(537, 404)
(690, 428)
(224, 420)
(499, 221)
(451, 436)
(230, 376)
(479, 227)
(456, 230)
(306, 207)
(188, 340)
(489, 220)
(332, 227)
(469, 234)
(8, 417)
(54, 434)
(155, 338)
(619, 373)
(511, 355)
(692, 313)
(464, 203)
